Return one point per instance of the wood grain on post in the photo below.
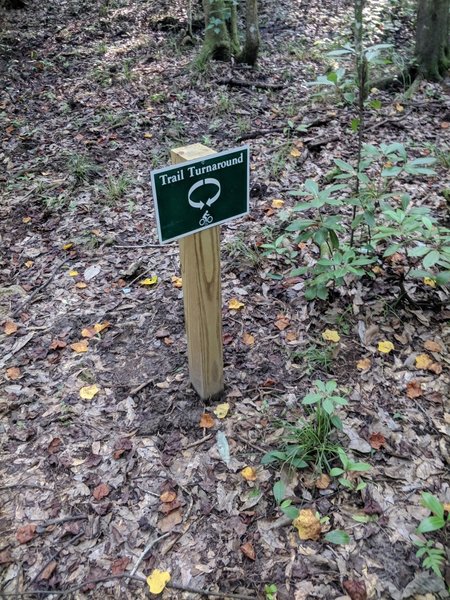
(200, 271)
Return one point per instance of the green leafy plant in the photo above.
(82, 168)
(116, 187)
(310, 441)
(270, 591)
(348, 469)
(432, 554)
(315, 357)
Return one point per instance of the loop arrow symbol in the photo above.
(198, 184)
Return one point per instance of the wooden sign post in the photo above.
(200, 272)
(200, 191)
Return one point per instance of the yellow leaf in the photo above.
(177, 281)
(248, 339)
(13, 373)
(98, 327)
(80, 347)
(148, 136)
(423, 361)
(67, 246)
(26, 219)
(10, 327)
(277, 203)
(377, 270)
(157, 580)
(363, 364)
(88, 332)
(295, 152)
(149, 280)
(81, 285)
(331, 335)
(29, 264)
(399, 107)
(249, 474)
(234, 304)
(221, 410)
(89, 391)
(73, 273)
(429, 281)
(385, 346)
(308, 525)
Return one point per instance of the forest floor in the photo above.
(94, 94)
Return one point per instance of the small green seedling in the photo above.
(349, 467)
(271, 591)
(433, 555)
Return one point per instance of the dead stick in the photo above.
(258, 84)
(146, 549)
(198, 442)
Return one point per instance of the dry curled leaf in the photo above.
(206, 421)
(322, 482)
(80, 347)
(26, 533)
(249, 474)
(376, 440)
(248, 550)
(355, 589)
(119, 565)
(432, 346)
(168, 496)
(308, 525)
(423, 361)
(235, 304)
(248, 339)
(363, 364)
(331, 335)
(54, 445)
(48, 571)
(101, 491)
(282, 322)
(81, 285)
(13, 373)
(56, 344)
(413, 389)
(10, 327)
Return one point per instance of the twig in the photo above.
(46, 524)
(52, 558)
(198, 442)
(144, 246)
(245, 441)
(175, 586)
(258, 84)
(140, 387)
(146, 549)
(40, 288)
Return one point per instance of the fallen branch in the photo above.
(148, 547)
(242, 83)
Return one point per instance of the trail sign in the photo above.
(201, 193)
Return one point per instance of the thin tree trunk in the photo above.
(249, 53)
(432, 38)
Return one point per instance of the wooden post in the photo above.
(200, 271)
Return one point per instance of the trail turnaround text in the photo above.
(201, 193)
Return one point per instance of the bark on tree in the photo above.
(250, 50)
(432, 38)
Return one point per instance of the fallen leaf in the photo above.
(376, 440)
(101, 491)
(385, 346)
(91, 272)
(248, 550)
(322, 482)
(149, 280)
(235, 304)
(221, 410)
(429, 281)
(73, 273)
(399, 107)
(308, 525)
(57, 344)
(291, 336)
(29, 264)
(54, 445)
(330, 335)
(89, 391)
(26, 219)
(432, 346)
(295, 152)
(26, 533)
(99, 327)
(48, 571)
(177, 281)
(364, 364)
(355, 589)
(67, 246)
(148, 136)
(168, 496)
(170, 521)
(277, 203)
(435, 368)
(81, 285)
(249, 474)
(227, 338)
(282, 322)
(119, 565)
(80, 347)
(13, 373)
(423, 361)
(413, 389)
(9, 327)
(248, 339)
(157, 581)
(206, 421)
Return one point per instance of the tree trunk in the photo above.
(432, 38)
(249, 53)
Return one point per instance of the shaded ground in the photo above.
(94, 94)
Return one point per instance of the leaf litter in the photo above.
(94, 472)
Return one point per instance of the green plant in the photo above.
(432, 554)
(239, 248)
(310, 442)
(82, 168)
(315, 357)
(270, 591)
(348, 469)
(116, 187)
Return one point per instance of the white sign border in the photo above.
(193, 162)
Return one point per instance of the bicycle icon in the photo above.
(206, 219)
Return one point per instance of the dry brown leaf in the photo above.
(48, 571)
(170, 521)
(413, 389)
(308, 525)
(81, 285)
(26, 533)
(248, 339)
(99, 327)
(364, 364)
(291, 336)
(432, 346)
(206, 421)
(355, 589)
(168, 496)
(423, 361)
(119, 565)
(282, 322)
(80, 347)
(435, 368)
(248, 550)
(101, 491)
(88, 332)
(54, 445)
(10, 327)
(13, 373)
(322, 482)
(57, 344)
(377, 440)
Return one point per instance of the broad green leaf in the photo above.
(431, 524)
(433, 504)
(431, 259)
(336, 472)
(337, 537)
(279, 490)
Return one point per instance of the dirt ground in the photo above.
(93, 96)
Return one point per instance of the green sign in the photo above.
(197, 194)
